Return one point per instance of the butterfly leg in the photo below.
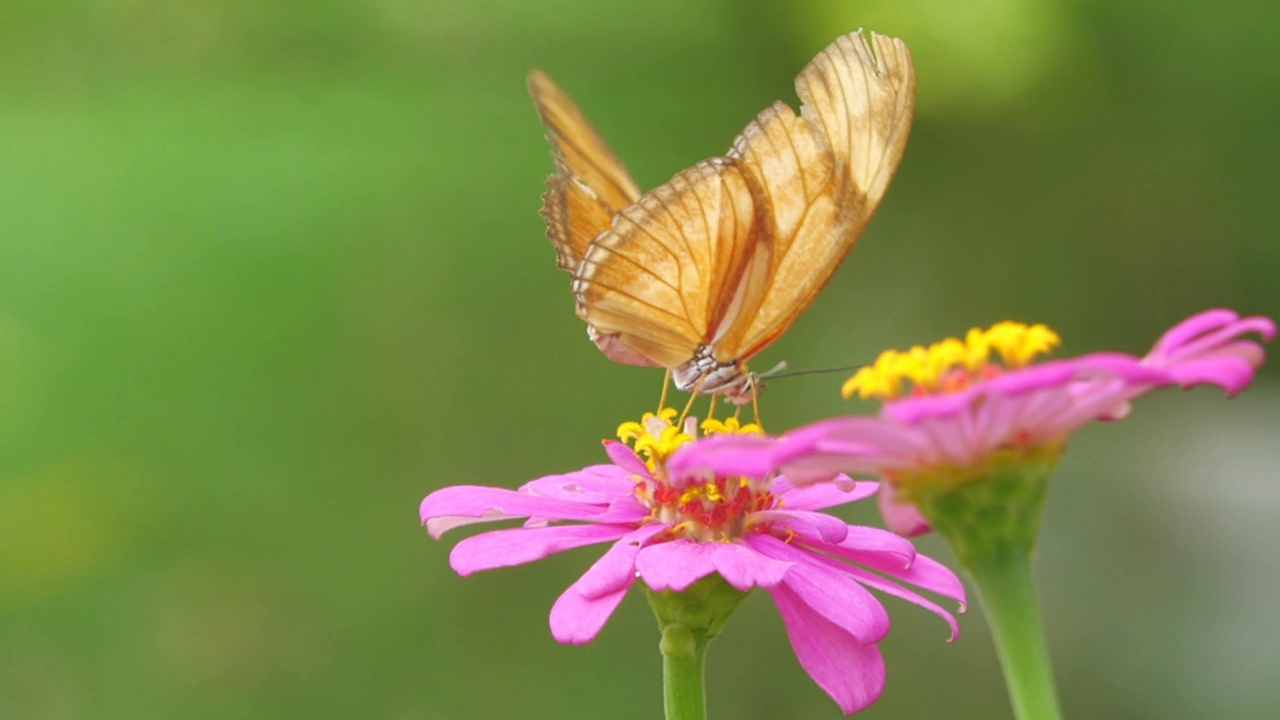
(693, 396)
(666, 386)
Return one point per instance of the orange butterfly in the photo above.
(700, 274)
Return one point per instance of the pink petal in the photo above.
(472, 501)
(821, 495)
(625, 458)
(617, 567)
(851, 672)
(901, 516)
(924, 572)
(748, 455)
(891, 588)
(835, 595)
(673, 565)
(1191, 328)
(744, 568)
(1206, 333)
(805, 523)
(881, 547)
(516, 546)
(597, 484)
(1232, 370)
(577, 619)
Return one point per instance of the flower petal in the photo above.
(821, 495)
(924, 572)
(576, 619)
(617, 567)
(625, 458)
(597, 485)
(851, 672)
(744, 568)
(833, 594)
(486, 503)
(748, 455)
(516, 546)
(673, 565)
(901, 516)
(805, 523)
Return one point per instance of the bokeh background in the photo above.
(270, 272)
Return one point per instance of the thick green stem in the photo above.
(1009, 601)
(683, 655)
(992, 522)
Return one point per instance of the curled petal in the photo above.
(807, 524)
(1203, 333)
(851, 672)
(516, 546)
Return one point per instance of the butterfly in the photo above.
(702, 273)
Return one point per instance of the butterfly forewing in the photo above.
(590, 184)
(660, 278)
(825, 171)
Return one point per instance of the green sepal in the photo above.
(991, 515)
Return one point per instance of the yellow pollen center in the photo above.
(704, 509)
(952, 364)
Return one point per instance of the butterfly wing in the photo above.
(589, 186)
(821, 175)
(660, 278)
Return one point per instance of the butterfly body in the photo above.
(703, 272)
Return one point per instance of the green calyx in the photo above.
(992, 513)
(695, 615)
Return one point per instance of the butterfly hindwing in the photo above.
(669, 264)
(590, 184)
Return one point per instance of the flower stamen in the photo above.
(952, 364)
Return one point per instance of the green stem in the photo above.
(689, 621)
(992, 520)
(683, 655)
(1009, 601)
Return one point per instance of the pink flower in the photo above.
(671, 530)
(966, 413)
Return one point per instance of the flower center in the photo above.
(701, 508)
(952, 364)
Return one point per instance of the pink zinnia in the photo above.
(672, 529)
(951, 412)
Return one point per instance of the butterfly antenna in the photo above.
(815, 371)
(666, 386)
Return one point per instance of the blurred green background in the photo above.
(271, 272)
